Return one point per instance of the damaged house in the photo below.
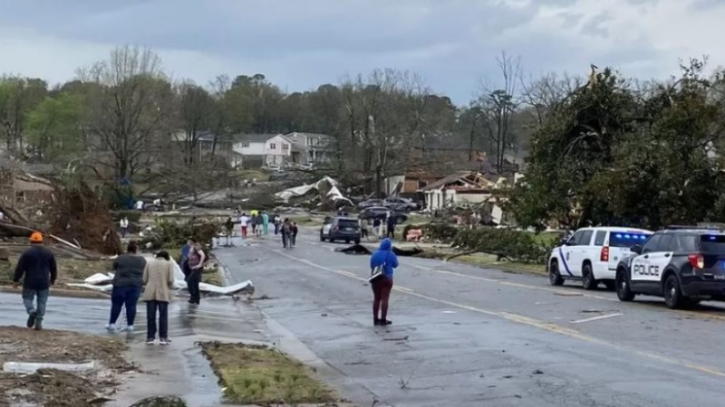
(18, 187)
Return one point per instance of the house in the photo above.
(461, 188)
(206, 143)
(263, 149)
(18, 188)
(310, 147)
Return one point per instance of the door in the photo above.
(660, 258)
(580, 252)
(641, 264)
(568, 255)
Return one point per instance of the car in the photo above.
(381, 212)
(684, 265)
(591, 255)
(341, 228)
(404, 204)
(370, 203)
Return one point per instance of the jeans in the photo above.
(29, 296)
(381, 296)
(163, 308)
(124, 296)
(192, 282)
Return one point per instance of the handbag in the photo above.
(378, 273)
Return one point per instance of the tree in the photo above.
(54, 128)
(194, 114)
(18, 96)
(129, 112)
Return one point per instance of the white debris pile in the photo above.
(325, 190)
(104, 283)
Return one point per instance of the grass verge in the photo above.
(485, 261)
(263, 376)
(69, 269)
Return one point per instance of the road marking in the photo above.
(347, 273)
(524, 320)
(404, 289)
(581, 321)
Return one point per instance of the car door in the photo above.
(567, 251)
(640, 268)
(580, 252)
(661, 257)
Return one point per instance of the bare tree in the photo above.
(128, 112)
(541, 95)
(195, 107)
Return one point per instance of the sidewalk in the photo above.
(178, 369)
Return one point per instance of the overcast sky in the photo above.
(300, 44)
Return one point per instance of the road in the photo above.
(466, 336)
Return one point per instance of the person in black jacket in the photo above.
(127, 285)
(37, 266)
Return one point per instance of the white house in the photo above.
(311, 147)
(277, 150)
(263, 149)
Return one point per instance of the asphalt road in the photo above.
(465, 336)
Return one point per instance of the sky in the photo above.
(300, 44)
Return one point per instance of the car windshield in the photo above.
(714, 244)
(627, 238)
(347, 223)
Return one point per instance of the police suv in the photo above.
(591, 255)
(685, 265)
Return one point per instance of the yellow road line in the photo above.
(524, 320)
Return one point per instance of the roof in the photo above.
(470, 180)
(254, 138)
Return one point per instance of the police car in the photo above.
(591, 255)
(685, 265)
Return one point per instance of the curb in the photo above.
(60, 292)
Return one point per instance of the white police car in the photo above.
(591, 255)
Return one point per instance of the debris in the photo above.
(165, 401)
(360, 249)
(405, 338)
(591, 311)
(537, 371)
(325, 190)
(27, 368)
(561, 294)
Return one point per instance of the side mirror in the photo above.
(636, 249)
(563, 241)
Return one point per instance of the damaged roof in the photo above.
(463, 180)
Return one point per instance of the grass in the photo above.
(263, 376)
(307, 221)
(69, 269)
(489, 261)
(212, 277)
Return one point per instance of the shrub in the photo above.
(440, 231)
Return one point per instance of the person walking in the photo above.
(196, 266)
(127, 283)
(158, 276)
(265, 223)
(390, 226)
(385, 259)
(377, 224)
(277, 222)
(260, 223)
(293, 234)
(37, 268)
(229, 226)
(123, 223)
(285, 230)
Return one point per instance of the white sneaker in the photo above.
(111, 327)
(150, 342)
(164, 342)
(129, 329)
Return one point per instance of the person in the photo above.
(377, 224)
(391, 226)
(285, 230)
(265, 223)
(196, 266)
(127, 284)
(384, 257)
(37, 268)
(229, 226)
(123, 225)
(293, 234)
(253, 220)
(259, 221)
(158, 276)
(277, 222)
(244, 221)
(184, 260)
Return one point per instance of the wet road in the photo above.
(465, 336)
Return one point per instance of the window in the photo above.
(586, 238)
(245, 144)
(687, 244)
(651, 244)
(712, 244)
(285, 147)
(272, 146)
(578, 236)
(624, 239)
(599, 238)
(666, 244)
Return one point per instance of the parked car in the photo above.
(591, 255)
(401, 204)
(370, 203)
(684, 265)
(381, 212)
(341, 228)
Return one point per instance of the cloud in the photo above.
(302, 44)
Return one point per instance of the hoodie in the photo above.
(385, 255)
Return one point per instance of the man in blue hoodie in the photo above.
(384, 257)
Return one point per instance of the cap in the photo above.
(36, 237)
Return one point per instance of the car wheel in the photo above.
(673, 293)
(554, 275)
(624, 293)
(588, 281)
(610, 284)
(357, 241)
(347, 241)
